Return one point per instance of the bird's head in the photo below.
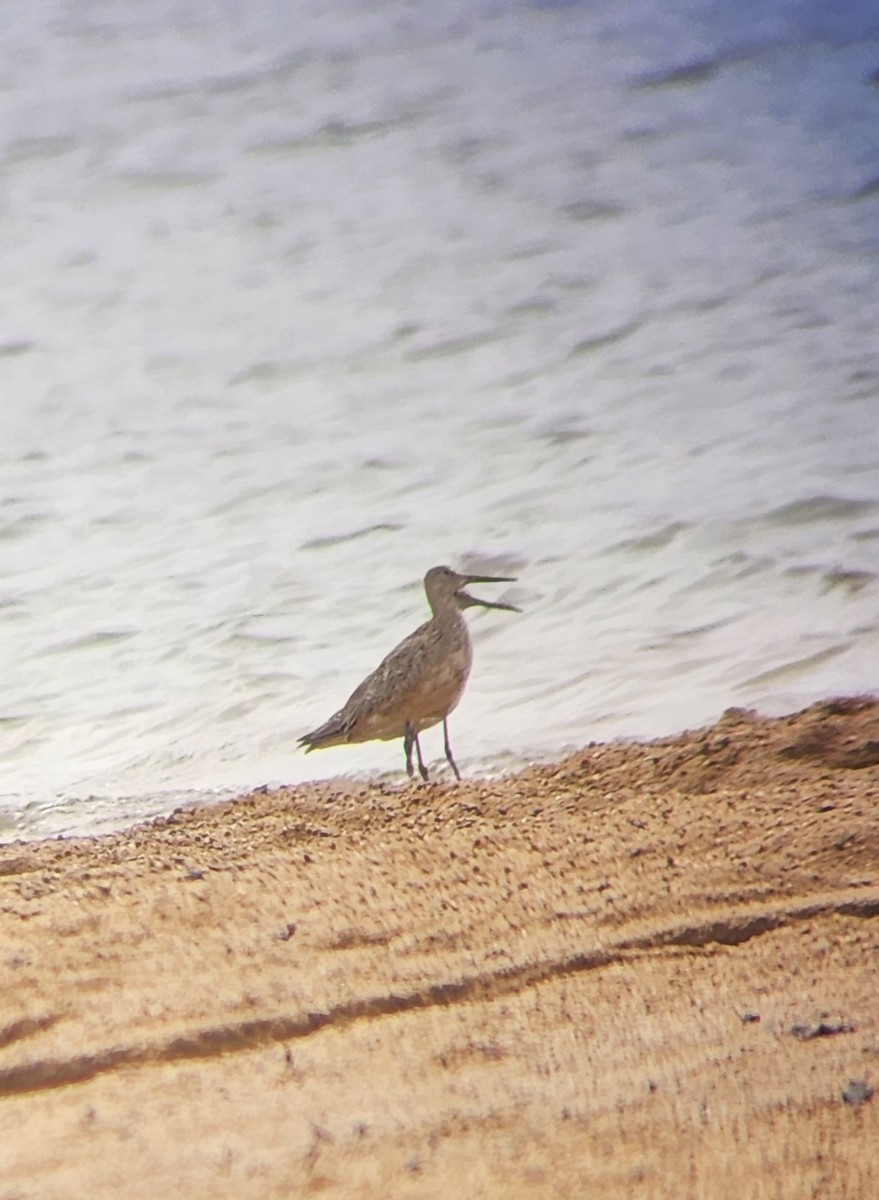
(443, 584)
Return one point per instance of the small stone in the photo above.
(806, 1033)
(857, 1093)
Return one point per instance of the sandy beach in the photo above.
(646, 970)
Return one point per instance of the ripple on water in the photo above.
(866, 191)
(733, 567)
(100, 639)
(165, 180)
(353, 535)
(599, 341)
(850, 581)
(21, 526)
(820, 508)
(646, 543)
(49, 146)
(593, 210)
(329, 134)
(693, 632)
(797, 666)
(15, 349)
(449, 347)
(562, 433)
(689, 74)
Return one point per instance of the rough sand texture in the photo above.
(577, 981)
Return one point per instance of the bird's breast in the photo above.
(439, 690)
(423, 695)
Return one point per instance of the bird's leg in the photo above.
(408, 741)
(421, 767)
(448, 747)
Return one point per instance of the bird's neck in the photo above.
(447, 614)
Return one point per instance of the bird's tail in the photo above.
(332, 733)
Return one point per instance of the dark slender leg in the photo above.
(421, 767)
(408, 740)
(452, 762)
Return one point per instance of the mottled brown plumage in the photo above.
(420, 681)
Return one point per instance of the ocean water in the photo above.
(300, 300)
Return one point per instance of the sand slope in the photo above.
(648, 970)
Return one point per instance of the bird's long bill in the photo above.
(465, 600)
(489, 579)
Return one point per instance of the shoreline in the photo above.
(588, 972)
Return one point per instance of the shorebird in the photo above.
(420, 681)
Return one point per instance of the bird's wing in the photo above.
(396, 673)
(395, 678)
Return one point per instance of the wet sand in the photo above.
(647, 970)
